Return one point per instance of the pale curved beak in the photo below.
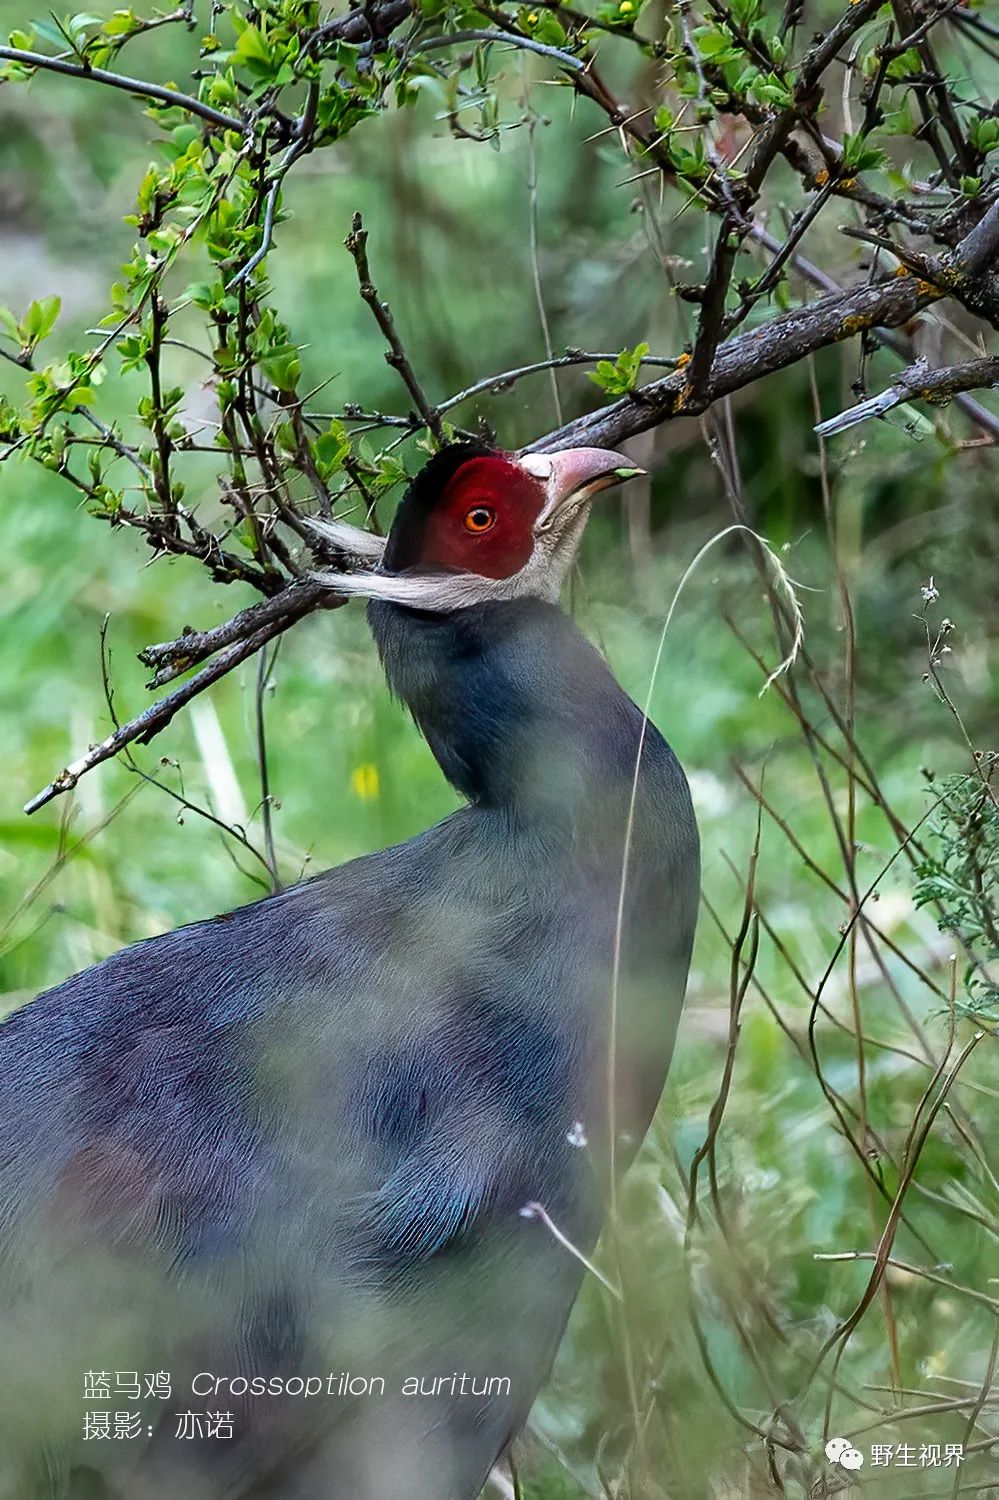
(576, 475)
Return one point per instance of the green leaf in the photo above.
(120, 24)
(746, 12)
(220, 89)
(50, 31)
(15, 72)
(389, 471)
(899, 122)
(542, 25)
(244, 534)
(621, 376)
(164, 239)
(715, 45)
(284, 369)
(858, 156)
(252, 48)
(984, 134)
(203, 293)
(769, 89)
(691, 164)
(40, 319)
(9, 423)
(331, 448)
(908, 65)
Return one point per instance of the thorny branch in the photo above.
(257, 360)
(917, 383)
(741, 361)
(136, 86)
(738, 362)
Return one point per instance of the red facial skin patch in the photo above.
(484, 522)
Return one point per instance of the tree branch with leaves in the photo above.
(748, 112)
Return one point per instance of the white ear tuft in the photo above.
(350, 539)
(438, 592)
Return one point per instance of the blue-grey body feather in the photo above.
(298, 1138)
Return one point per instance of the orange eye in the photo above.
(480, 518)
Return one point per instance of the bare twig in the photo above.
(397, 357)
(265, 667)
(138, 86)
(155, 718)
(507, 378)
(171, 658)
(510, 38)
(918, 1135)
(917, 383)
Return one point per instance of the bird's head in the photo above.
(478, 524)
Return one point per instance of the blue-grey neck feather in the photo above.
(527, 721)
(518, 708)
